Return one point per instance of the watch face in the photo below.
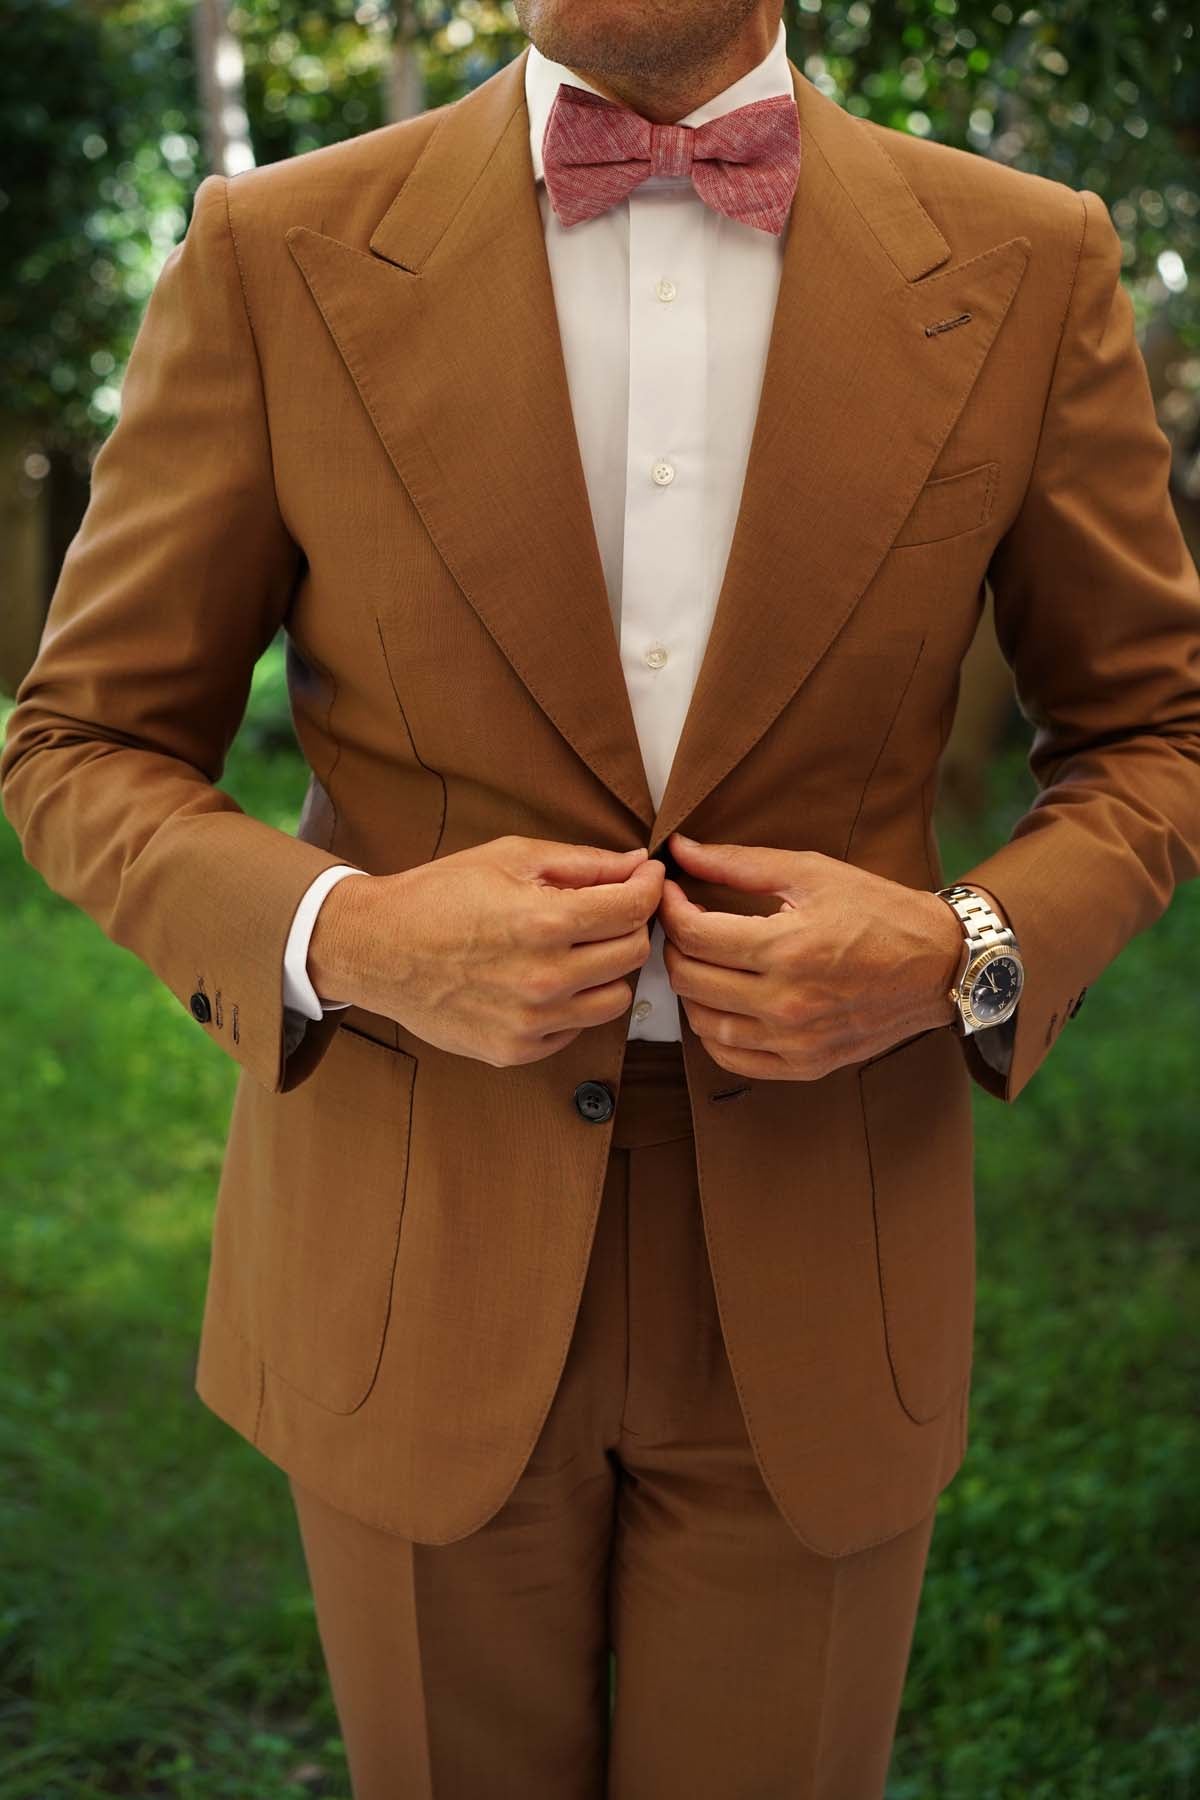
(995, 989)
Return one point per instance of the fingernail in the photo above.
(684, 838)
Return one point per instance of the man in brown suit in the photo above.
(583, 1321)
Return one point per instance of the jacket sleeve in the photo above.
(174, 584)
(1097, 607)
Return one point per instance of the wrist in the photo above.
(333, 962)
(945, 936)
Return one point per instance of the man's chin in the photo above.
(622, 40)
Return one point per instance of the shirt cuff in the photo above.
(299, 994)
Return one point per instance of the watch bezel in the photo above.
(966, 985)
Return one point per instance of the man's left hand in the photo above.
(849, 965)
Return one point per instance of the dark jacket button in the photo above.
(593, 1102)
(200, 1008)
(1078, 1003)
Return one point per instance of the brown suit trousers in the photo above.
(748, 1667)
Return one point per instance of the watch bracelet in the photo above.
(983, 927)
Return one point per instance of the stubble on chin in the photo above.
(632, 40)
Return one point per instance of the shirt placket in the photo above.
(665, 543)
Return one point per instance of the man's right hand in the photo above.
(504, 952)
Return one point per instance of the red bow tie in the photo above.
(744, 164)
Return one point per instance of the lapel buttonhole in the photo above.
(947, 324)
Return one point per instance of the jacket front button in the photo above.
(200, 1008)
(594, 1102)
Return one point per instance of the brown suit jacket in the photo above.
(346, 411)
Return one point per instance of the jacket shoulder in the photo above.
(341, 189)
(977, 202)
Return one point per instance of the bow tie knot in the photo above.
(745, 163)
(671, 149)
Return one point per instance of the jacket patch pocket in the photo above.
(949, 506)
(337, 1167)
(916, 1105)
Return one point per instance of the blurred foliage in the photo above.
(314, 74)
(100, 134)
(98, 159)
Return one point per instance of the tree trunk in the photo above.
(219, 73)
(406, 82)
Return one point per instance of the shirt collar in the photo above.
(772, 75)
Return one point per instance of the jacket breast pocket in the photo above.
(336, 1150)
(916, 1105)
(950, 506)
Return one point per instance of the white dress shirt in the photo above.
(665, 309)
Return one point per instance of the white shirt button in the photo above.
(655, 657)
(642, 1010)
(666, 290)
(663, 473)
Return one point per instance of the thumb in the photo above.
(753, 868)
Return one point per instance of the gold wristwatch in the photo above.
(991, 975)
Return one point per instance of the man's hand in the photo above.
(849, 965)
(504, 952)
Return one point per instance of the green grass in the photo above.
(156, 1632)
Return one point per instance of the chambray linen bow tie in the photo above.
(745, 163)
